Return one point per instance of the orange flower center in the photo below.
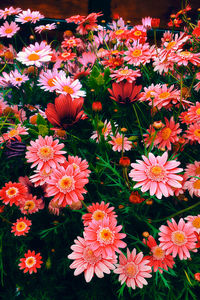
(156, 170)
(164, 95)
(170, 45)
(45, 153)
(196, 184)
(178, 238)
(198, 111)
(197, 171)
(149, 94)
(124, 72)
(136, 53)
(137, 33)
(158, 253)
(131, 270)
(66, 184)
(21, 226)
(12, 192)
(197, 132)
(75, 166)
(50, 82)
(13, 132)
(8, 30)
(30, 262)
(18, 78)
(196, 222)
(98, 215)
(29, 205)
(67, 89)
(166, 132)
(118, 141)
(105, 236)
(185, 53)
(28, 18)
(89, 256)
(120, 31)
(33, 57)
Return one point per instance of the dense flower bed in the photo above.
(100, 137)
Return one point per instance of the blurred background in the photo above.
(132, 10)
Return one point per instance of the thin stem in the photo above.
(84, 204)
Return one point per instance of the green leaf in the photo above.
(41, 120)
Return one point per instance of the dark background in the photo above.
(132, 10)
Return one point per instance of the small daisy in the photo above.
(8, 30)
(46, 79)
(28, 16)
(12, 193)
(31, 262)
(177, 239)
(193, 133)
(40, 177)
(21, 227)
(8, 12)
(54, 208)
(138, 54)
(125, 74)
(98, 211)
(30, 204)
(156, 174)
(15, 133)
(105, 131)
(17, 78)
(46, 27)
(78, 164)
(119, 141)
(195, 222)
(194, 112)
(192, 170)
(86, 261)
(193, 187)
(133, 269)
(66, 85)
(45, 153)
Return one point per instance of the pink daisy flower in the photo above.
(5, 80)
(46, 79)
(86, 261)
(3, 105)
(168, 135)
(15, 132)
(193, 133)
(8, 30)
(88, 59)
(157, 175)
(21, 227)
(104, 237)
(66, 185)
(54, 208)
(30, 204)
(194, 221)
(66, 85)
(165, 96)
(138, 54)
(45, 153)
(197, 86)
(146, 22)
(125, 74)
(158, 258)
(98, 211)
(117, 142)
(46, 27)
(78, 164)
(184, 117)
(181, 57)
(31, 262)
(149, 93)
(193, 187)
(194, 112)
(105, 131)
(133, 269)
(177, 239)
(16, 78)
(40, 177)
(192, 170)
(8, 12)
(29, 16)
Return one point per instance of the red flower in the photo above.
(12, 193)
(198, 239)
(96, 106)
(21, 227)
(155, 22)
(135, 198)
(124, 93)
(124, 161)
(31, 262)
(65, 112)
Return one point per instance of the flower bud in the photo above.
(96, 106)
(124, 162)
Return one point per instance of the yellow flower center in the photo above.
(105, 236)
(197, 132)
(98, 215)
(118, 141)
(45, 153)
(13, 132)
(196, 222)
(12, 192)
(113, 52)
(185, 53)
(136, 52)
(75, 166)
(66, 184)
(28, 18)
(164, 95)
(170, 45)
(120, 31)
(8, 30)
(67, 89)
(29, 205)
(30, 262)
(149, 94)
(198, 111)
(124, 72)
(178, 238)
(158, 253)
(166, 132)
(137, 33)
(131, 270)
(21, 226)
(33, 57)
(18, 78)
(196, 184)
(50, 82)
(157, 171)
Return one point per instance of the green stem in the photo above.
(84, 204)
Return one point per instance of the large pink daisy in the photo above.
(86, 261)
(66, 185)
(98, 211)
(8, 30)
(45, 153)
(138, 54)
(157, 175)
(133, 269)
(29, 16)
(104, 237)
(177, 239)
